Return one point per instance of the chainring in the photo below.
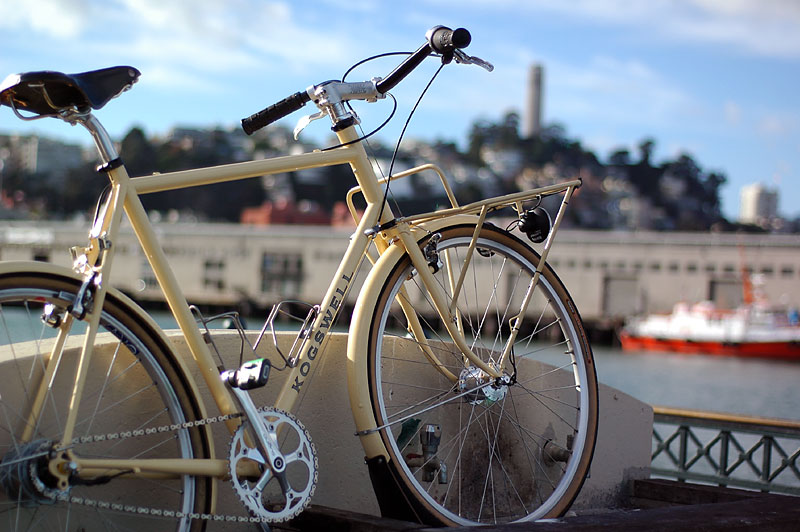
(269, 496)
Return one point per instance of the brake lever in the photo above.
(464, 59)
(304, 121)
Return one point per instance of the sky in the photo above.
(716, 79)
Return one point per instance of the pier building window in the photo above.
(620, 295)
(725, 293)
(282, 273)
(787, 271)
(691, 267)
(41, 255)
(214, 274)
(674, 267)
(655, 266)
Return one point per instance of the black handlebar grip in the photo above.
(274, 112)
(443, 40)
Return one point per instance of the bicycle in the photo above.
(471, 379)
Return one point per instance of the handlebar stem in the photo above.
(332, 95)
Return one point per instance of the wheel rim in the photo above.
(486, 485)
(131, 392)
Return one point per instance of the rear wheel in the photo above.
(467, 449)
(133, 384)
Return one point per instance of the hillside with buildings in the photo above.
(45, 179)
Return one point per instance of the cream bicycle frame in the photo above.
(402, 233)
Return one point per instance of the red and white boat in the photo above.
(752, 330)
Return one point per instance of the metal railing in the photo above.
(727, 450)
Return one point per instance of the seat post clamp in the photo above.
(110, 165)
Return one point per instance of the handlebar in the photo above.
(275, 112)
(440, 40)
(445, 41)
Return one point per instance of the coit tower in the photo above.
(533, 107)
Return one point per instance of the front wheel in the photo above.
(463, 448)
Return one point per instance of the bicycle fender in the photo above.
(357, 345)
(54, 271)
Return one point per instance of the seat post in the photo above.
(103, 142)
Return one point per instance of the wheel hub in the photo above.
(482, 392)
(25, 467)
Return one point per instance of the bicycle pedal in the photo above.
(253, 374)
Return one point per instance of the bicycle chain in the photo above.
(60, 496)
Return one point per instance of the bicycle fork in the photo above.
(439, 301)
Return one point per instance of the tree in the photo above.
(501, 135)
(620, 157)
(138, 154)
(646, 148)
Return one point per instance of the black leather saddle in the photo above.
(46, 92)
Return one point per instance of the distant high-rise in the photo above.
(533, 108)
(757, 204)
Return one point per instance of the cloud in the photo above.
(761, 27)
(765, 27)
(775, 124)
(615, 90)
(732, 113)
(62, 19)
(191, 37)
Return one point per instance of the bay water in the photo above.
(755, 387)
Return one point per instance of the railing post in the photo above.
(766, 460)
(724, 448)
(682, 450)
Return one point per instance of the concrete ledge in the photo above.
(622, 453)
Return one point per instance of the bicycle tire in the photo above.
(519, 455)
(131, 391)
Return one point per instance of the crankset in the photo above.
(273, 464)
(274, 486)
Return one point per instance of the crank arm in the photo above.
(266, 441)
